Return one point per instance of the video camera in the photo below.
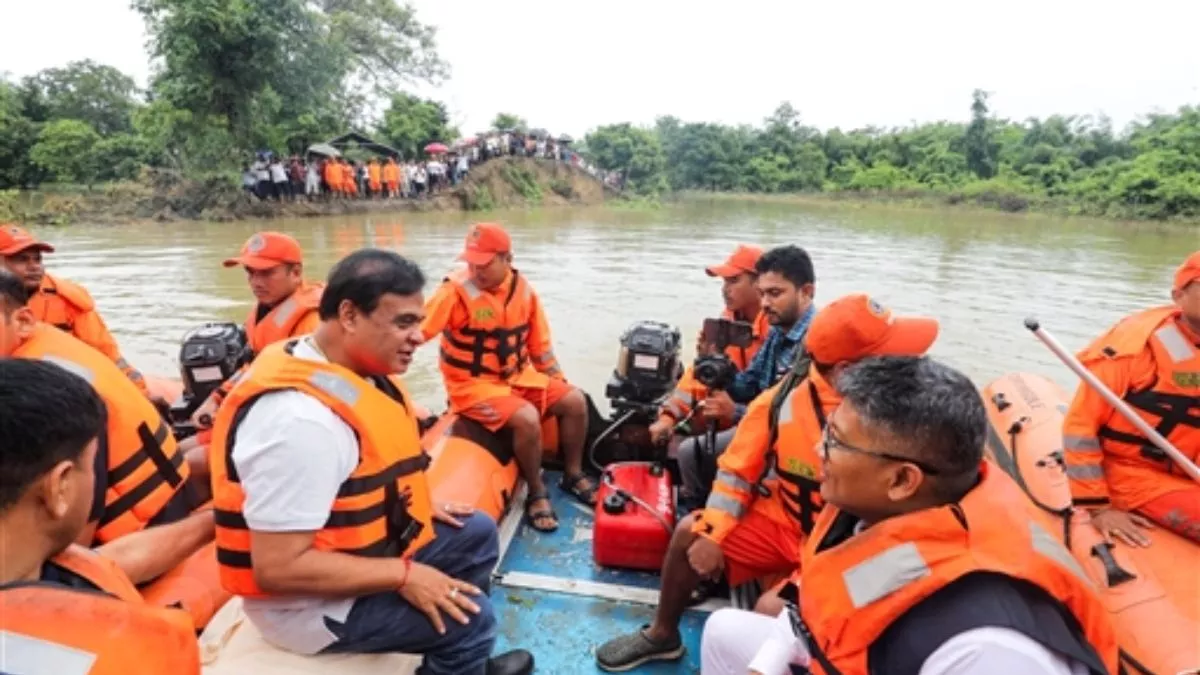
(648, 366)
(716, 371)
(208, 356)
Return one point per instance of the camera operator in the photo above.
(785, 285)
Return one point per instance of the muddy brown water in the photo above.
(600, 269)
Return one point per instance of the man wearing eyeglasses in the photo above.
(766, 494)
(925, 560)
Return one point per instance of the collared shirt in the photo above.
(771, 362)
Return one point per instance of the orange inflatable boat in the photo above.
(1153, 594)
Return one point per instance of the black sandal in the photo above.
(570, 484)
(532, 517)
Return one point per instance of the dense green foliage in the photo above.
(411, 123)
(1151, 170)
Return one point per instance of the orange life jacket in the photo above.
(59, 301)
(493, 346)
(280, 323)
(852, 589)
(689, 390)
(778, 475)
(383, 509)
(53, 628)
(145, 467)
(1171, 404)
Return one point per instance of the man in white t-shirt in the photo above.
(924, 560)
(290, 464)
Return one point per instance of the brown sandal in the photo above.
(533, 517)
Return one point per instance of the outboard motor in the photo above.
(648, 367)
(208, 356)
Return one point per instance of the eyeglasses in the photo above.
(828, 441)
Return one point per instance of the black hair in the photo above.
(931, 410)
(790, 262)
(365, 276)
(12, 291)
(49, 416)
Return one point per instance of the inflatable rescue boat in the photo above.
(1153, 593)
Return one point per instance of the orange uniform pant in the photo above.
(760, 547)
(494, 413)
(1178, 511)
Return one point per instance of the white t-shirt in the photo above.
(980, 651)
(292, 454)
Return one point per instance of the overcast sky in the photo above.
(570, 66)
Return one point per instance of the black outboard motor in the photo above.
(208, 356)
(648, 367)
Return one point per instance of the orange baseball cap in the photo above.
(742, 260)
(1188, 272)
(265, 250)
(484, 241)
(854, 327)
(14, 239)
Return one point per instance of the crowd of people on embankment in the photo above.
(315, 176)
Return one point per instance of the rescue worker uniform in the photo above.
(84, 617)
(141, 476)
(67, 305)
(496, 351)
(1152, 361)
(767, 494)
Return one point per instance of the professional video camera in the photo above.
(716, 371)
(648, 366)
(208, 356)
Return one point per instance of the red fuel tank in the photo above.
(628, 534)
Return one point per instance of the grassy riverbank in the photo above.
(511, 182)
(984, 202)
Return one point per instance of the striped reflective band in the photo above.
(1085, 471)
(1081, 443)
(471, 289)
(785, 410)
(336, 386)
(1176, 345)
(72, 367)
(733, 481)
(727, 504)
(26, 655)
(284, 312)
(545, 359)
(885, 573)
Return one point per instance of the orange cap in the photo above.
(1188, 272)
(484, 241)
(13, 240)
(854, 327)
(742, 260)
(265, 250)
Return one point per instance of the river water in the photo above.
(598, 270)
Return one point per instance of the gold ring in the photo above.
(453, 593)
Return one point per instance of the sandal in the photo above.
(533, 517)
(571, 483)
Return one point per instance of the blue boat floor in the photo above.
(563, 630)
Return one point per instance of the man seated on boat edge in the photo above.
(741, 532)
(1152, 360)
(743, 303)
(50, 424)
(499, 368)
(926, 559)
(141, 478)
(786, 286)
(285, 303)
(60, 302)
(324, 519)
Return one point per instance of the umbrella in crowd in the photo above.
(436, 148)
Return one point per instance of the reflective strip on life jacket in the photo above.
(26, 655)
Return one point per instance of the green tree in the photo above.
(99, 95)
(18, 133)
(504, 121)
(980, 156)
(634, 152)
(65, 148)
(410, 123)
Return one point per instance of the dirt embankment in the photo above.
(509, 182)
